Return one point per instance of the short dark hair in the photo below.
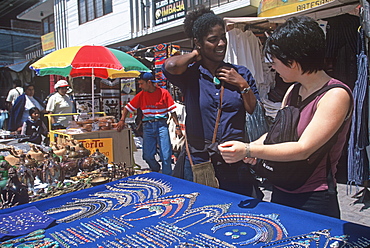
(199, 22)
(33, 110)
(27, 85)
(17, 82)
(299, 39)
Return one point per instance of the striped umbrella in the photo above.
(89, 61)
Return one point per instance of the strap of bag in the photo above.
(216, 125)
(310, 98)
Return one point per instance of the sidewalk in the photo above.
(349, 211)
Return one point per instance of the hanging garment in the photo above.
(358, 165)
(244, 48)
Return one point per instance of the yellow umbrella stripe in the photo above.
(122, 74)
(59, 59)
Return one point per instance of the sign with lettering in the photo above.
(103, 144)
(168, 10)
(268, 8)
(48, 43)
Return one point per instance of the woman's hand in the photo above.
(232, 151)
(196, 53)
(231, 76)
(178, 133)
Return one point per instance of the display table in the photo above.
(155, 210)
(117, 146)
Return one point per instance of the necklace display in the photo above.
(210, 212)
(320, 239)
(93, 223)
(88, 207)
(266, 227)
(163, 206)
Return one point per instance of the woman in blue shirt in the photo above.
(198, 74)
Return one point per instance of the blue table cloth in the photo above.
(156, 210)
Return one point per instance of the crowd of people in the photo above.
(217, 96)
(26, 111)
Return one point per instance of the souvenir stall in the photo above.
(156, 210)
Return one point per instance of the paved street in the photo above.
(350, 212)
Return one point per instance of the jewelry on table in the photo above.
(23, 221)
(266, 227)
(88, 207)
(65, 239)
(211, 212)
(213, 239)
(59, 240)
(35, 235)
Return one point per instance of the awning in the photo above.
(323, 11)
(19, 66)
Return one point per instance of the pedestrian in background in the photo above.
(13, 94)
(21, 107)
(60, 103)
(297, 51)
(199, 74)
(155, 104)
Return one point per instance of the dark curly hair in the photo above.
(299, 39)
(199, 22)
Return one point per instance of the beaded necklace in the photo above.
(211, 212)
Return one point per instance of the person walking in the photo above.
(199, 75)
(297, 51)
(155, 104)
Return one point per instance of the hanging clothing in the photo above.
(245, 49)
(358, 162)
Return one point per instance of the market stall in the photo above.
(155, 210)
(97, 133)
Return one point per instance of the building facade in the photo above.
(116, 23)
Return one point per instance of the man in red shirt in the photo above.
(155, 104)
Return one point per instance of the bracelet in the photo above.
(177, 125)
(248, 150)
(245, 90)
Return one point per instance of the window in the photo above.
(91, 9)
(48, 24)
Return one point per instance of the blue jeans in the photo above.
(156, 133)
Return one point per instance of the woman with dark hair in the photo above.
(22, 105)
(297, 51)
(200, 74)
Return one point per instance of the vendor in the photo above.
(60, 103)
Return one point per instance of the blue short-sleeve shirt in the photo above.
(202, 97)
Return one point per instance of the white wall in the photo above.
(102, 31)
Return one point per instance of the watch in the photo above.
(245, 90)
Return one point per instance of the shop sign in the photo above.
(269, 8)
(103, 144)
(168, 10)
(48, 43)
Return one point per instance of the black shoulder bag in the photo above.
(293, 174)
